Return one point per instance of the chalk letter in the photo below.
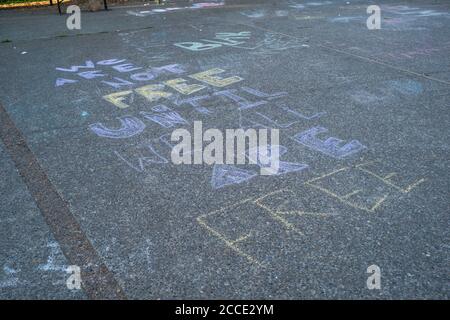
(151, 94)
(243, 103)
(90, 74)
(63, 81)
(89, 65)
(110, 62)
(126, 67)
(209, 78)
(197, 46)
(331, 146)
(172, 68)
(164, 116)
(143, 159)
(143, 76)
(130, 126)
(117, 98)
(119, 84)
(180, 85)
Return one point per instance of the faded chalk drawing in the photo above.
(197, 46)
(11, 277)
(246, 122)
(388, 90)
(255, 109)
(365, 97)
(138, 158)
(198, 5)
(118, 83)
(283, 117)
(182, 87)
(91, 74)
(138, 13)
(257, 14)
(364, 186)
(166, 140)
(196, 102)
(117, 98)
(140, 253)
(161, 114)
(406, 18)
(397, 53)
(350, 188)
(271, 44)
(406, 87)
(317, 4)
(254, 13)
(129, 127)
(220, 39)
(224, 175)
(288, 167)
(268, 96)
(245, 103)
(151, 44)
(331, 146)
(62, 81)
(274, 43)
(413, 12)
(347, 19)
(155, 92)
(389, 177)
(134, 73)
(402, 24)
(211, 77)
(281, 13)
(52, 260)
(241, 101)
(251, 218)
(276, 208)
(301, 115)
(164, 116)
(230, 59)
(88, 65)
(254, 155)
(295, 5)
(286, 202)
(213, 220)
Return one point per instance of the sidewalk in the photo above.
(87, 178)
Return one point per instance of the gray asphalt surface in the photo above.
(143, 228)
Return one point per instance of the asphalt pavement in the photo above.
(87, 177)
